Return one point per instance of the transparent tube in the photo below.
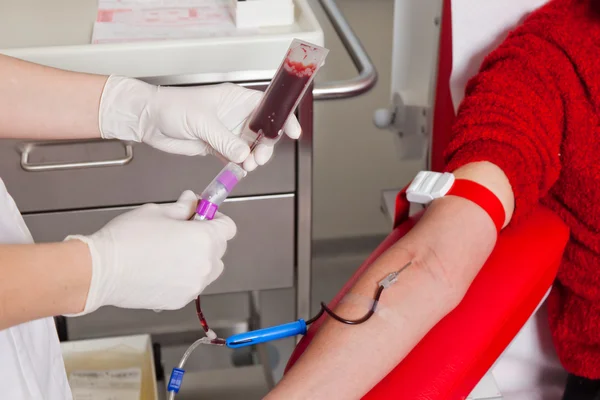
(217, 191)
(173, 390)
(293, 77)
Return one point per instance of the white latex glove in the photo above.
(185, 120)
(154, 258)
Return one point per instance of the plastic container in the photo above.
(287, 88)
(117, 368)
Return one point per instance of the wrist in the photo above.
(77, 276)
(95, 296)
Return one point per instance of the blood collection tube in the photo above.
(293, 77)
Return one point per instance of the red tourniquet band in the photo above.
(466, 189)
(402, 208)
(481, 196)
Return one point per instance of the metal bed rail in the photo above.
(367, 74)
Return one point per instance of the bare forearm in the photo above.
(347, 361)
(38, 102)
(42, 280)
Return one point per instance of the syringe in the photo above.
(293, 77)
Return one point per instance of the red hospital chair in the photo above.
(502, 298)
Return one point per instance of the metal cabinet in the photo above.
(56, 175)
(76, 187)
(249, 266)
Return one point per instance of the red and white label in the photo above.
(139, 20)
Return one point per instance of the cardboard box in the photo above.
(120, 368)
(261, 13)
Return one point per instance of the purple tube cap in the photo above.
(206, 209)
(228, 179)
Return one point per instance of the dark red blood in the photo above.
(201, 315)
(280, 98)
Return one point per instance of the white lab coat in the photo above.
(31, 363)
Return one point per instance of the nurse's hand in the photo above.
(154, 258)
(187, 120)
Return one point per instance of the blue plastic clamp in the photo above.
(175, 380)
(267, 334)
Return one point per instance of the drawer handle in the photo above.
(28, 148)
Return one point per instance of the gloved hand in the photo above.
(154, 258)
(187, 120)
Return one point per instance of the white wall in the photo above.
(353, 160)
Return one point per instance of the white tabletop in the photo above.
(58, 33)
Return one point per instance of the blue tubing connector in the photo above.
(175, 380)
(267, 334)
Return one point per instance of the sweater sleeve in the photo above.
(513, 116)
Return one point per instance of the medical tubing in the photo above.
(386, 282)
(294, 328)
(297, 327)
(177, 373)
(251, 338)
(209, 332)
(176, 378)
(365, 318)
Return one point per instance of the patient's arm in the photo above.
(507, 137)
(344, 361)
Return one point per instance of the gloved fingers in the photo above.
(215, 272)
(219, 156)
(292, 127)
(180, 146)
(224, 225)
(227, 144)
(250, 163)
(242, 103)
(262, 153)
(183, 208)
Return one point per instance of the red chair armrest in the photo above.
(500, 300)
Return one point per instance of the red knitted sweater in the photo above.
(534, 110)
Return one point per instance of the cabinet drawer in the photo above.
(260, 257)
(150, 175)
